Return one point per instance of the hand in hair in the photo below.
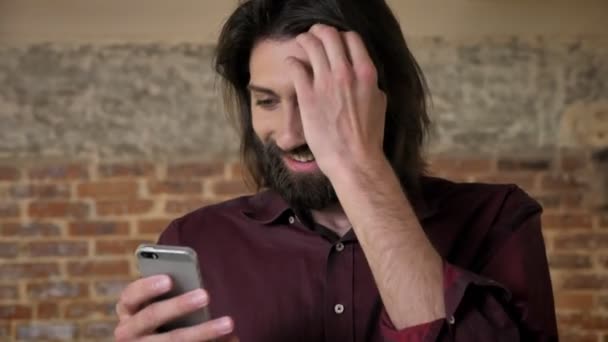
(341, 106)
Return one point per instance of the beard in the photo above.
(303, 191)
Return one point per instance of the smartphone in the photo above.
(181, 264)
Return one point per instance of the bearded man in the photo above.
(347, 238)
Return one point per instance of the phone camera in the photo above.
(149, 255)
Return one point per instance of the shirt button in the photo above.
(292, 219)
(339, 247)
(451, 320)
(339, 308)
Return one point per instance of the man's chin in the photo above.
(310, 191)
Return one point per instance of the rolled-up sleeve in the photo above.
(509, 299)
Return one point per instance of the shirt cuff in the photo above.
(420, 332)
(456, 280)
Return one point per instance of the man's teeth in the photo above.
(302, 157)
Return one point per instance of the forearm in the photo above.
(406, 267)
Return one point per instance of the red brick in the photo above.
(29, 229)
(9, 292)
(549, 201)
(57, 248)
(57, 290)
(175, 187)
(572, 200)
(13, 311)
(124, 207)
(603, 221)
(583, 241)
(229, 188)
(9, 250)
(9, 210)
(47, 310)
(115, 170)
(182, 206)
(98, 330)
(113, 189)
(28, 270)
(117, 247)
(39, 331)
(603, 260)
(40, 191)
(460, 165)
(570, 163)
(4, 192)
(576, 335)
(525, 180)
(97, 228)
(58, 209)
(110, 288)
(585, 282)
(5, 331)
(90, 310)
(523, 164)
(587, 321)
(9, 173)
(603, 302)
(567, 221)
(195, 170)
(59, 172)
(103, 268)
(563, 182)
(574, 301)
(154, 226)
(237, 171)
(569, 261)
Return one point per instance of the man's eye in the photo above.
(266, 103)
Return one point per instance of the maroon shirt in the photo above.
(284, 280)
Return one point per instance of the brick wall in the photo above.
(522, 108)
(68, 231)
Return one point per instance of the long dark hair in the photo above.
(399, 76)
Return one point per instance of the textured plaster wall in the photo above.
(120, 100)
(159, 100)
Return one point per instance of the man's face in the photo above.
(289, 166)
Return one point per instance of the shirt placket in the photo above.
(339, 296)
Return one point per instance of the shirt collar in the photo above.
(268, 206)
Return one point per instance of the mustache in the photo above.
(272, 147)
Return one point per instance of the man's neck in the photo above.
(334, 218)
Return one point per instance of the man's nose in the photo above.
(291, 134)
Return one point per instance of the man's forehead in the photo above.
(267, 64)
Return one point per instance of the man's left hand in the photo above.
(341, 106)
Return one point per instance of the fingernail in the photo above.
(224, 325)
(162, 284)
(198, 298)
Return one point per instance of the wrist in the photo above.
(363, 168)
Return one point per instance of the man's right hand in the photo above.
(139, 317)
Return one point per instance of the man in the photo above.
(349, 240)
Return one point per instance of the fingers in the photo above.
(156, 314)
(337, 52)
(139, 292)
(207, 331)
(334, 46)
(362, 62)
(301, 78)
(316, 53)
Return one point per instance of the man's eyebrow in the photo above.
(253, 87)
